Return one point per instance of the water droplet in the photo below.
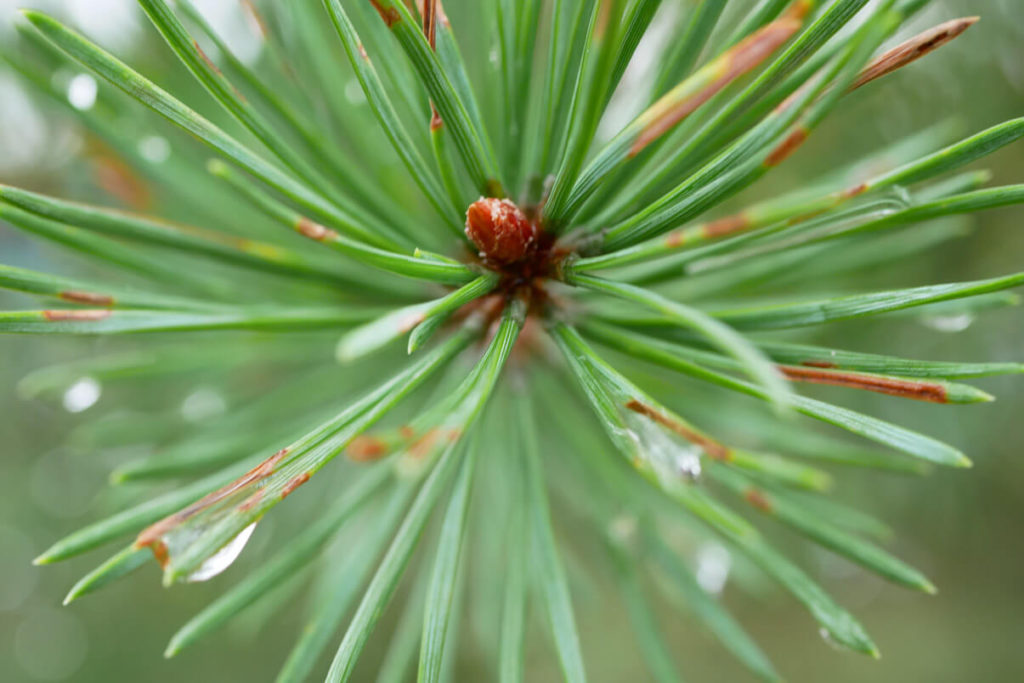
(672, 458)
(82, 395)
(949, 324)
(629, 436)
(713, 566)
(827, 637)
(900, 197)
(223, 558)
(82, 91)
(688, 463)
(202, 404)
(155, 149)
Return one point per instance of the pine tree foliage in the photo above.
(465, 335)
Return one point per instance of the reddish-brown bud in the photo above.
(500, 230)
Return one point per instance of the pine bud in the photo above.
(500, 230)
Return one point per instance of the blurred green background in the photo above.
(964, 529)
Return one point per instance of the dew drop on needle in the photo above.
(223, 558)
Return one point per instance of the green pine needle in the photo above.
(464, 178)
